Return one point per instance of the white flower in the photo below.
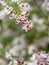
(8, 10)
(40, 58)
(12, 15)
(2, 61)
(2, 2)
(45, 5)
(27, 26)
(34, 58)
(31, 48)
(40, 23)
(43, 55)
(25, 7)
(2, 14)
(18, 45)
(36, 19)
(8, 55)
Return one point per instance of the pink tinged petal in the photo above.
(22, 14)
(26, 27)
(19, 21)
(18, 60)
(1, 0)
(41, 64)
(25, 21)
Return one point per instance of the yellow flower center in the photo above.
(17, 14)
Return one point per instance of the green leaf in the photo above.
(7, 40)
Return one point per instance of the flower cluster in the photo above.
(40, 58)
(17, 61)
(20, 16)
(16, 48)
(6, 10)
(45, 5)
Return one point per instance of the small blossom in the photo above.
(27, 26)
(8, 9)
(12, 15)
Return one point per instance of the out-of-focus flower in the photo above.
(2, 2)
(8, 55)
(2, 61)
(45, 5)
(40, 23)
(15, 62)
(37, 20)
(42, 63)
(32, 48)
(17, 47)
(40, 58)
(2, 14)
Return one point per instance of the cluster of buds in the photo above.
(45, 5)
(40, 58)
